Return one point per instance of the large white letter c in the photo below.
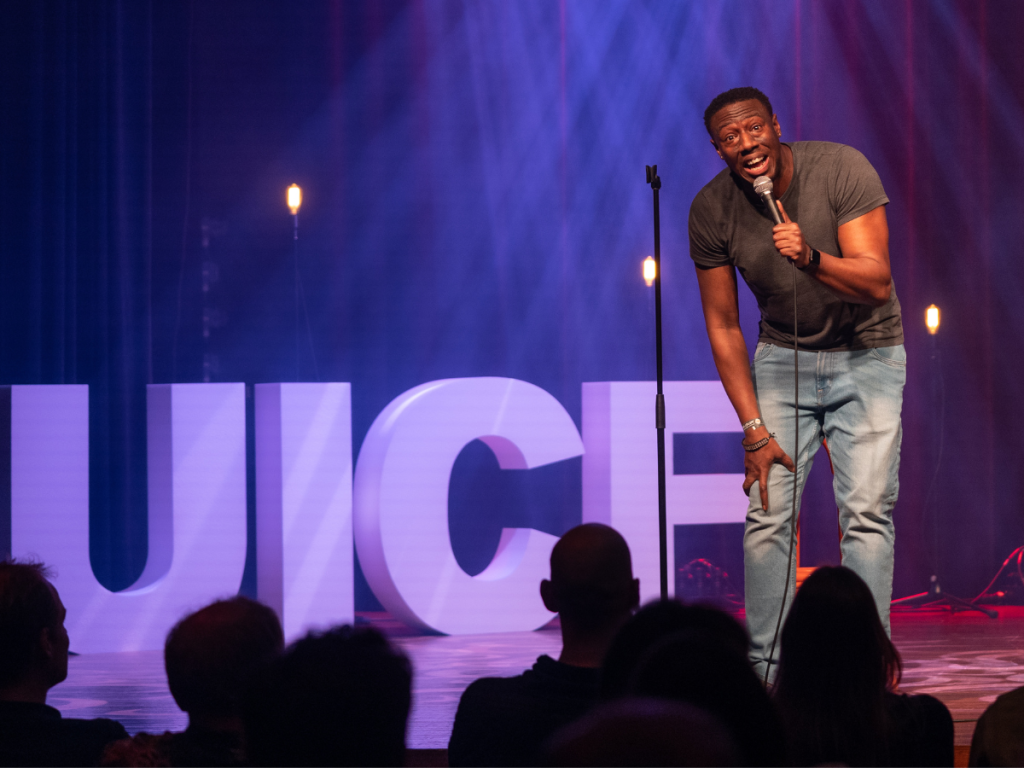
(400, 503)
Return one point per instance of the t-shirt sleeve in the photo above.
(855, 187)
(707, 249)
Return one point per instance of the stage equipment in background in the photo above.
(935, 597)
(294, 203)
(1011, 590)
(932, 319)
(294, 199)
(701, 581)
(650, 269)
(659, 400)
(304, 504)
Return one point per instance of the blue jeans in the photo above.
(852, 399)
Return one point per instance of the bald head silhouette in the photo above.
(591, 588)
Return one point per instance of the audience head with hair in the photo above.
(592, 589)
(698, 667)
(211, 655)
(339, 697)
(33, 641)
(835, 666)
(652, 624)
(697, 655)
(33, 659)
(640, 732)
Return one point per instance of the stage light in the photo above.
(931, 319)
(650, 271)
(294, 198)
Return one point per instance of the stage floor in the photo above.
(966, 660)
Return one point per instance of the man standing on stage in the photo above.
(833, 251)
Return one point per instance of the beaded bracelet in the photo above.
(759, 444)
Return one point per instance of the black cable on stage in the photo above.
(1019, 554)
(794, 518)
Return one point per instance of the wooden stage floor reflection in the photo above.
(966, 660)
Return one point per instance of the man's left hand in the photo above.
(789, 240)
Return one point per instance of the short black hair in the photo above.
(27, 608)
(211, 654)
(733, 95)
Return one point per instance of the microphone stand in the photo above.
(659, 401)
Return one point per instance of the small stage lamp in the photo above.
(650, 271)
(931, 319)
(294, 199)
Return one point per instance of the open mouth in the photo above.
(756, 166)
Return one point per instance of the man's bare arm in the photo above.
(862, 275)
(722, 318)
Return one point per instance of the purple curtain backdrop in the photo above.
(475, 205)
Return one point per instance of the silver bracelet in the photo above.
(753, 424)
(759, 444)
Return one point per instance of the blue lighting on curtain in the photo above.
(474, 204)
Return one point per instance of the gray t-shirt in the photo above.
(832, 184)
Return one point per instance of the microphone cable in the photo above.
(794, 518)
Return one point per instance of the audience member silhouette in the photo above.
(642, 732)
(695, 667)
(33, 659)
(505, 721)
(999, 735)
(651, 625)
(340, 697)
(697, 654)
(210, 657)
(835, 688)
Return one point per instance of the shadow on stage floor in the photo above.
(966, 660)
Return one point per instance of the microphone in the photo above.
(763, 187)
